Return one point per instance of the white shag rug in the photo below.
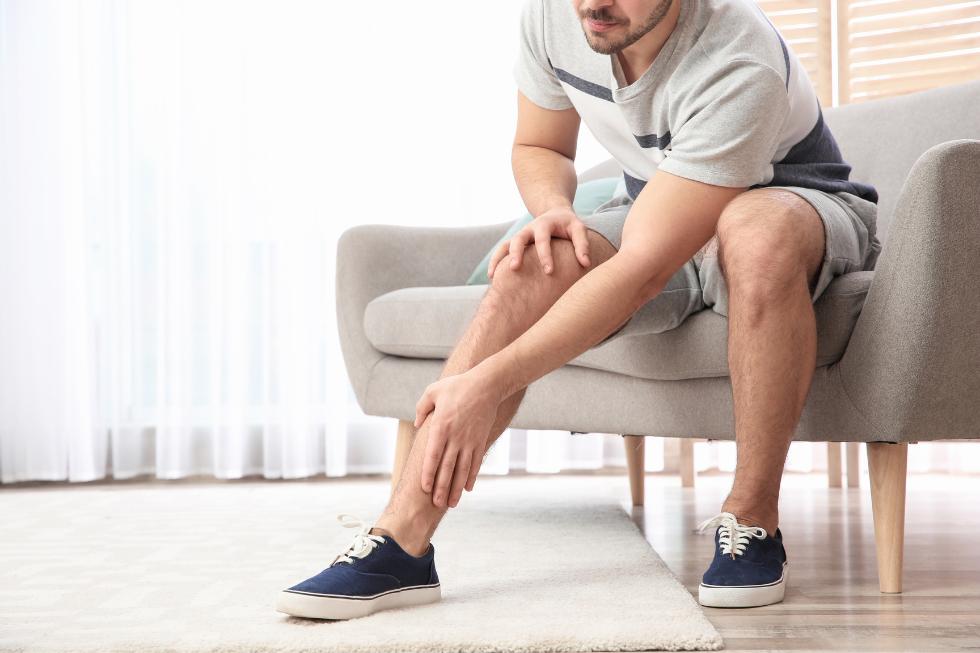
(527, 564)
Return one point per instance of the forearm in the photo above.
(581, 318)
(669, 222)
(546, 179)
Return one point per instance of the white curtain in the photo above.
(173, 179)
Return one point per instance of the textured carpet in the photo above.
(527, 564)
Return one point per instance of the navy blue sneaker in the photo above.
(749, 567)
(373, 574)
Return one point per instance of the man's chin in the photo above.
(602, 45)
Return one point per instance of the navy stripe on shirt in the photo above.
(814, 162)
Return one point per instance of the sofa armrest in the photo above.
(375, 259)
(912, 365)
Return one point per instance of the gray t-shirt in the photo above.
(725, 102)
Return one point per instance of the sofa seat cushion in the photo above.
(427, 322)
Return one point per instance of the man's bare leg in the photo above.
(512, 304)
(771, 251)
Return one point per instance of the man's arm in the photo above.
(726, 145)
(543, 158)
(671, 219)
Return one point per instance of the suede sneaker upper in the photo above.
(373, 573)
(371, 565)
(748, 568)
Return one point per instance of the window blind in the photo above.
(806, 27)
(882, 47)
(891, 47)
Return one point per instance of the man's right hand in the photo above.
(554, 223)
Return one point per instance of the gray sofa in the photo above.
(898, 356)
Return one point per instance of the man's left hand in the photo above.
(460, 410)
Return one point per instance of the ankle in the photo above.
(411, 538)
(750, 516)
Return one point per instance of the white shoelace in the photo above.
(733, 537)
(364, 542)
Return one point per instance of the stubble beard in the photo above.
(601, 43)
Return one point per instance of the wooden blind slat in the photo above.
(770, 6)
(917, 47)
(806, 49)
(913, 32)
(924, 9)
(878, 70)
(793, 31)
(914, 81)
(914, 21)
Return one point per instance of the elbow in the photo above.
(520, 149)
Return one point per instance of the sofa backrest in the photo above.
(881, 139)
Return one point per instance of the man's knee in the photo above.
(528, 290)
(760, 249)
(530, 278)
(514, 295)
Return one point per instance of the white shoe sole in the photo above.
(321, 606)
(751, 596)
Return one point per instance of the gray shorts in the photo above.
(851, 245)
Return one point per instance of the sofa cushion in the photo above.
(427, 322)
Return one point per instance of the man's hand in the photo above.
(461, 410)
(554, 223)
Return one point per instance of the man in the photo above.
(735, 197)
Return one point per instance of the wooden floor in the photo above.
(832, 601)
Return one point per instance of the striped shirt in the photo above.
(725, 101)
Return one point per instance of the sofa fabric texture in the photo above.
(428, 322)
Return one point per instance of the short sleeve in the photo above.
(731, 129)
(533, 73)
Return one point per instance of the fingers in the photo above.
(460, 476)
(541, 235)
(440, 493)
(517, 245)
(475, 464)
(542, 243)
(501, 252)
(434, 448)
(425, 405)
(580, 241)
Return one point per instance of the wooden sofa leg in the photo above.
(687, 462)
(635, 450)
(406, 435)
(887, 464)
(853, 475)
(833, 464)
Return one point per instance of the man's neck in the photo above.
(635, 59)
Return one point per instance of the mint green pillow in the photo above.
(589, 196)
